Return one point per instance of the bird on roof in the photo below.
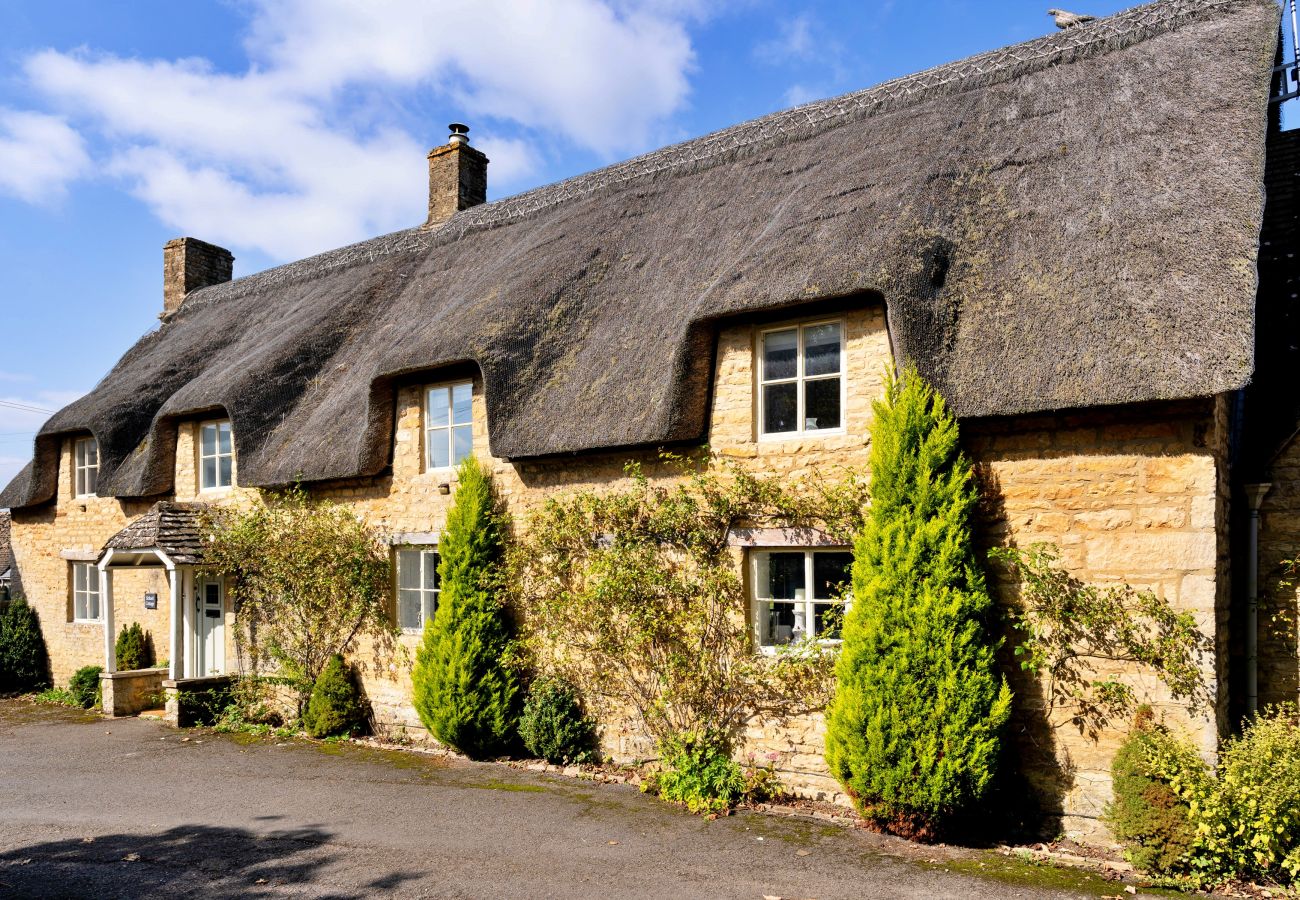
(1068, 19)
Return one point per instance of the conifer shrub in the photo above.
(24, 664)
(914, 731)
(133, 648)
(465, 691)
(84, 686)
(553, 725)
(336, 706)
(1146, 815)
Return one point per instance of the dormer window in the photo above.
(448, 425)
(85, 452)
(216, 456)
(801, 379)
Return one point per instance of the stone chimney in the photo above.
(457, 176)
(190, 264)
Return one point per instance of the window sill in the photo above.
(99, 622)
(784, 436)
(777, 649)
(216, 491)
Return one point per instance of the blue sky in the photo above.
(281, 128)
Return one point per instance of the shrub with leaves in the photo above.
(698, 772)
(1246, 814)
(133, 648)
(1145, 814)
(634, 595)
(336, 707)
(1069, 630)
(553, 725)
(84, 686)
(308, 579)
(24, 665)
(914, 732)
(465, 689)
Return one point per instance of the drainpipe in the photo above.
(1255, 497)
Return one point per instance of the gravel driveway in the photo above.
(126, 808)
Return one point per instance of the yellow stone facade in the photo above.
(1136, 496)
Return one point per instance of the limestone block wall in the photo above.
(47, 541)
(1279, 540)
(1138, 497)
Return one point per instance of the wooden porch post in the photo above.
(106, 602)
(175, 661)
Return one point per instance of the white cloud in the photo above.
(283, 158)
(794, 42)
(798, 94)
(39, 155)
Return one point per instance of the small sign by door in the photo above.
(150, 601)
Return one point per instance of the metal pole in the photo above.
(1295, 48)
(1255, 497)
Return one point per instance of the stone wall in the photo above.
(129, 693)
(1136, 497)
(47, 541)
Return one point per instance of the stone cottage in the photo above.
(1063, 235)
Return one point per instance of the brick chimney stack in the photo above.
(457, 177)
(190, 264)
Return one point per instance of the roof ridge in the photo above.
(1096, 38)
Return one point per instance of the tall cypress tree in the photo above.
(914, 730)
(464, 694)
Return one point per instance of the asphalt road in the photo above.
(91, 808)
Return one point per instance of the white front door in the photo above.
(210, 635)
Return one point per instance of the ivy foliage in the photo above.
(134, 650)
(466, 690)
(914, 730)
(24, 665)
(308, 579)
(1071, 633)
(336, 706)
(633, 595)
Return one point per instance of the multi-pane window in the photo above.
(86, 466)
(799, 594)
(216, 456)
(801, 381)
(417, 587)
(448, 425)
(85, 592)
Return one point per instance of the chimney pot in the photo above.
(457, 176)
(190, 264)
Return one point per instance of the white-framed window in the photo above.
(801, 379)
(799, 593)
(448, 424)
(85, 453)
(85, 593)
(216, 456)
(417, 587)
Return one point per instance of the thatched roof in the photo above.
(173, 528)
(1068, 222)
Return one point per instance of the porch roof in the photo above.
(172, 528)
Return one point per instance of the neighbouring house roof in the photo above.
(173, 528)
(1068, 222)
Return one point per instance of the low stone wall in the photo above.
(131, 692)
(196, 701)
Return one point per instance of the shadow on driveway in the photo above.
(214, 862)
